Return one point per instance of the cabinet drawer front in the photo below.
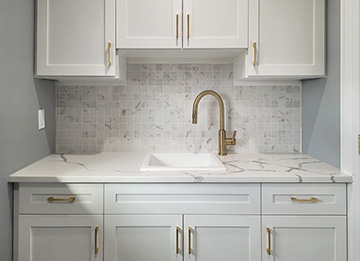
(60, 198)
(307, 199)
(182, 198)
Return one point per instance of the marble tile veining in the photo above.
(153, 113)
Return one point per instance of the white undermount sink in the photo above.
(181, 161)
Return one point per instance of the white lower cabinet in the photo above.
(299, 238)
(222, 237)
(143, 238)
(180, 222)
(60, 237)
(164, 238)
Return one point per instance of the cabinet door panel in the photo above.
(73, 36)
(222, 237)
(289, 37)
(305, 238)
(142, 238)
(59, 238)
(149, 24)
(215, 23)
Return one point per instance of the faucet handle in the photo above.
(231, 141)
(234, 135)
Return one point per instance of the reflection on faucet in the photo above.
(223, 141)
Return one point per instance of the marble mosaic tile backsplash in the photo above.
(154, 112)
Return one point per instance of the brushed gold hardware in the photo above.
(189, 250)
(109, 58)
(188, 26)
(177, 240)
(223, 141)
(269, 242)
(177, 26)
(254, 46)
(304, 200)
(96, 240)
(52, 199)
(359, 143)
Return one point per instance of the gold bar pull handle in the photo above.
(268, 249)
(189, 248)
(188, 26)
(52, 199)
(96, 240)
(255, 53)
(177, 26)
(177, 240)
(312, 199)
(109, 54)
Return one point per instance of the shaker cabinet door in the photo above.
(149, 24)
(222, 237)
(286, 38)
(215, 24)
(315, 238)
(60, 237)
(75, 38)
(143, 238)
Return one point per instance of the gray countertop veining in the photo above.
(125, 168)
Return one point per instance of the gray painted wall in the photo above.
(321, 99)
(21, 96)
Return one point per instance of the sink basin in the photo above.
(181, 161)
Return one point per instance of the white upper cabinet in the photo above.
(75, 38)
(176, 24)
(286, 38)
(149, 24)
(215, 23)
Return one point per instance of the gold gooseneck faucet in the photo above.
(223, 141)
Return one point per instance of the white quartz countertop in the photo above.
(125, 168)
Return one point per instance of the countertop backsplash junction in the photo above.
(153, 113)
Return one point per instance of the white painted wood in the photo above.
(16, 235)
(148, 24)
(215, 23)
(222, 237)
(33, 198)
(118, 80)
(350, 116)
(184, 199)
(59, 238)
(290, 38)
(142, 237)
(321, 238)
(276, 199)
(72, 37)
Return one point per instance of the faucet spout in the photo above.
(223, 141)
(218, 98)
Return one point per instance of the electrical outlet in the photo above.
(41, 119)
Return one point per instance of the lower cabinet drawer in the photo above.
(182, 198)
(304, 199)
(45, 198)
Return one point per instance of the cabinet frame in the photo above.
(27, 222)
(43, 66)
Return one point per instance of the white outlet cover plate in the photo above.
(41, 119)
